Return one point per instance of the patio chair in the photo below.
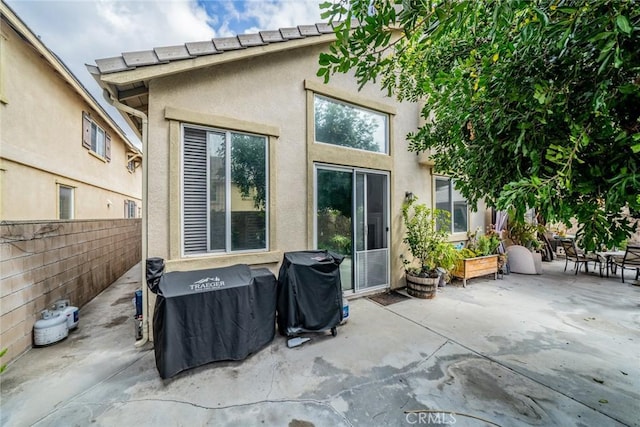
(630, 261)
(572, 253)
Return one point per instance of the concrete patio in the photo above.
(550, 350)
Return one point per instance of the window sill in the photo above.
(458, 237)
(204, 261)
(97, 156)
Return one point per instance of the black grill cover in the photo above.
(210, 315)
(155, 268)
(309, 292)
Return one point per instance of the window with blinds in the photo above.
(224, 191)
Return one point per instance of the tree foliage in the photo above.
(344, 125)
(248, 167)
(528, 103)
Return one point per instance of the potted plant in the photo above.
(428, 244)
(524, 233)
(480, 257)
(520, 235)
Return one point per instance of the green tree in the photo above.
(528, 103)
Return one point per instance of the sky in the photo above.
(81, 31)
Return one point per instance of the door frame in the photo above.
(354, 170)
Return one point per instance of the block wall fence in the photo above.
(43, 261)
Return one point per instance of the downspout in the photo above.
(145, 204)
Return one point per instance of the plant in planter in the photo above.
(483, 244)
(525, 234)
(480, 257)
(429, 247)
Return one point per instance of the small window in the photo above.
(339, 123)
(131, 166)
(450, 200)
(65, 202)
(95, 138)
(130, 209)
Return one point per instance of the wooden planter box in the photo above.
(469, 268)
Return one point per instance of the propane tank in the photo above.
(51, 328)
(69, 312)
(345, 311)
(137, 302)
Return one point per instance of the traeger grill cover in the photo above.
(210, 315)
(309, 292)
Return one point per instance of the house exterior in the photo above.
(61, 155)
(70, 188)
(251, 155)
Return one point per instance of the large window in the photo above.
(338, 123)
(65, 202)
(225, 191)
(450, 200)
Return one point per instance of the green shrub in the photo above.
(428, 244)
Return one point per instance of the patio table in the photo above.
(608, 256)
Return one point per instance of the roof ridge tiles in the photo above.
(200, 48)
(172, 53)
(140, 58)
(291, 33)
(308, 30)
(217, 45)
(227, 43)
(271, 36)
(252, 39)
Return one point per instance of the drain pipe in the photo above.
(145, 204)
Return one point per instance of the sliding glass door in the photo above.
(371, 231)
(352, 220)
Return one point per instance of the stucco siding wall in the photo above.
(270, 90)
(42, 128)
(42, 262)
(31, 194)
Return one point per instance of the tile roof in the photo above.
(218, 45)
